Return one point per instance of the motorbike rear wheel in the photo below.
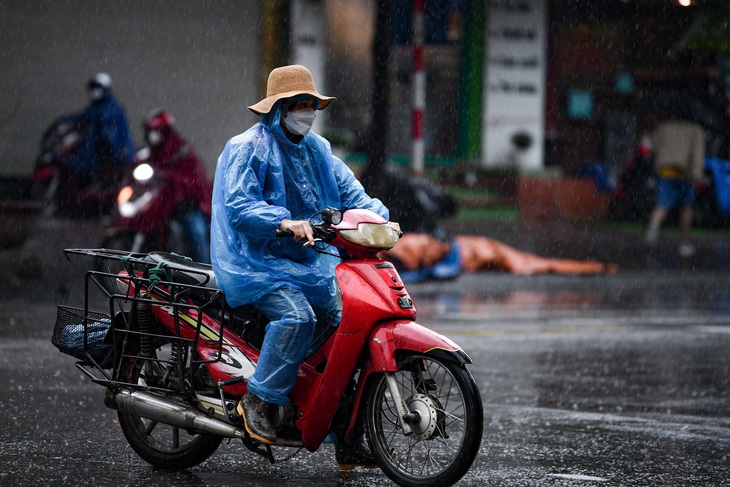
(161, 445)
(447, 433)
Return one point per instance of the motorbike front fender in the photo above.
(390, 340)
(409, 336)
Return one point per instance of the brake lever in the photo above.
(306, 244)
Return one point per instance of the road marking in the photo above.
(553, 330)
(713, 329)
(681, 320)
(577, 477)
(457, 325)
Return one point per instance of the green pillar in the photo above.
(472, 81)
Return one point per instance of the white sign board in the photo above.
(308, 46)
(514, 101)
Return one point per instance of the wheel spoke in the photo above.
(150, 427)
(409, 450)
(432, 461)
(454, 419)
(428, 459)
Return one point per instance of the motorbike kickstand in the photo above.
(258, 448)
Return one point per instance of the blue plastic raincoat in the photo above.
(108, 125)
(262, 178)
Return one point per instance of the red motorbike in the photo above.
(174, 359)
(141, 221)
(55, 182)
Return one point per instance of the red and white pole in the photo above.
(419, 87)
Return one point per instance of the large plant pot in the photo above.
(553, 198)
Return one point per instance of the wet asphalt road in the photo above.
(604, 380)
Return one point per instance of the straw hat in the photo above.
(286, 82)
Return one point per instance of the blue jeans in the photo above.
(671, 192)
(196, 228)
(289, 335)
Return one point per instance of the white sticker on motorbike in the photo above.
(234, 362)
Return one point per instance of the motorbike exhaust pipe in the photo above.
(168, 411)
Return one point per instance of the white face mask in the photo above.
(301, 121)
(154, 138)
(96, 94)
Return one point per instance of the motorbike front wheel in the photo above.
(159, 444)
(446, 422)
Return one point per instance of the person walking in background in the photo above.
(679, 155)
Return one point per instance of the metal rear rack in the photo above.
(185, 290)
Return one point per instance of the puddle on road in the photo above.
(460, 302)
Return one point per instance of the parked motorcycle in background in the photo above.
(633, 197)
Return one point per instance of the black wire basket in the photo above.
(82, 336)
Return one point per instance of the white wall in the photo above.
(515, 82)
(308, 47)
(197, 59)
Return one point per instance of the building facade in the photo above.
(523, 84)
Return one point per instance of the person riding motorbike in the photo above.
(109, 139)
(83, 154)
(187, 187)
(275, 176)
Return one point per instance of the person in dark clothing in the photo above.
(187, 187)
(108, 141)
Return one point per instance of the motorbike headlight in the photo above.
(127, 210)
(377, 236)
(143, 172)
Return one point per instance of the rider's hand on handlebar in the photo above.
(301, 229)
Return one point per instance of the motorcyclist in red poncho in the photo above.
(187, 187)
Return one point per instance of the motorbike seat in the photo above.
(245, 321)
(186, 271)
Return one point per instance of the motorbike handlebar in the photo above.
(283, 233)
(321, 232)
